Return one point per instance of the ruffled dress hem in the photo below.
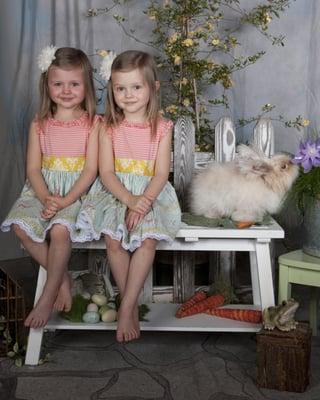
(6, 227)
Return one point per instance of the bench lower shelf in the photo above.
(161, 317)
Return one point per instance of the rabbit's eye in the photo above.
(284, 166)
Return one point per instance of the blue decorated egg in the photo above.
(91, 317)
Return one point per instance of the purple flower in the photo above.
(308, 155)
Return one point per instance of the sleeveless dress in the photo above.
(134, 156)
(63, 146)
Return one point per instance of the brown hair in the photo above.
(68, 58)
(125, 62)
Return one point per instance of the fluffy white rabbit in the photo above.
(244, 189)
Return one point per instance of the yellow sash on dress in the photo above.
(69, 164)
(138, 167)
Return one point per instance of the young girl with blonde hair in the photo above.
(62, 159)
(136, 206)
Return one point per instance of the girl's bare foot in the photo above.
(136, 320)
(64, 298)
(126, 330)
(39, 316)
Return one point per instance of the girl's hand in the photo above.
(140, 204)
(132, 219)
(55, 202)
(46, 213)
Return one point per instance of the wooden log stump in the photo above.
(283, 358)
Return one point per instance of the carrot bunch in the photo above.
(254, 316)
(198, 304)
(196, 298)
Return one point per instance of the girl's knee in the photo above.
(20, 233)
(59, 232)
(149, 244)
(112, 244)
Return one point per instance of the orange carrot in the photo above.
(199, 296)
(215, 300)
(253, 316)
(244, 224)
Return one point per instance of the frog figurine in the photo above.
(281, 317)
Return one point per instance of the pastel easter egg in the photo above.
(91, 317)
(92, 307)
(99, 299)
(109, 316)
(103, 309)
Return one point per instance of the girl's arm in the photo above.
(162, 168)
(34, 159)
(110, 180)
(87, 175)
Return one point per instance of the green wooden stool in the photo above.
(298, 267)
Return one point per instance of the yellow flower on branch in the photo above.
(103, 53)
(215, 41)
(267, 18)
(188, 42)
(184, 81)
(186, 102)
(173, 109)
(174, 37)
(209, 26)
(305, 122)
(177, 60)
(203, 109)
(152, 15)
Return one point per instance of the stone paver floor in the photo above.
(160, 365)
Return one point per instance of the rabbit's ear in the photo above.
(249, 152)
(253, 168)
(261, 168)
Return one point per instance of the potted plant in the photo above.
(306, 191)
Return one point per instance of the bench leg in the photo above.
(34, 346)
(254, 279)
(264, 273)
(35, 335)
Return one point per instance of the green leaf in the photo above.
(6, 335)
(143, 311)
(16, 347)
(45, 359)
(18, 362)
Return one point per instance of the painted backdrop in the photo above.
(286, 76)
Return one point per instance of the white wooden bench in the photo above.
(255, 240)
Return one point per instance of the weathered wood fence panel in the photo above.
(224, 262)
(263, 137)
(183, 167)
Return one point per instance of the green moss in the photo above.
(79, 307)
(306, 188)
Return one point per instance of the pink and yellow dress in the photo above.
(63, 146)
(134, 156)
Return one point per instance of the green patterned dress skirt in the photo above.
(101, 213)
(26, 211)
